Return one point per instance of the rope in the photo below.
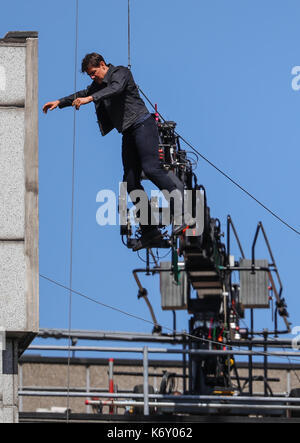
(72, 214)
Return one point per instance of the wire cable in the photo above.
(186, 334)
(224, 173)
(96, 301)
(128, 30)
(72, 212)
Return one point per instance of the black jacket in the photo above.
(117, 100)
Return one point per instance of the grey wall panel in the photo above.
(254, 287)
(12, 180)
(12, 75)
(173, 295)
(13, 312)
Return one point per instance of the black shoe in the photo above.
(147, 239)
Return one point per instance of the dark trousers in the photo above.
(140, 152)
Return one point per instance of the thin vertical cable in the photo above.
(72, 213)
(129, 55)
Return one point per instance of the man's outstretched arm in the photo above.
(70, 100)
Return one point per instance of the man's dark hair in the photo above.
(92, 59)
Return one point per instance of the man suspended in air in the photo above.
(119, 105)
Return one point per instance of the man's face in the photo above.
(97, 74)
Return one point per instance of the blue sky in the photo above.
(222, 71)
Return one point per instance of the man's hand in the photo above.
(50, 106)
(81, 101)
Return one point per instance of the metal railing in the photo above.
(147, 400)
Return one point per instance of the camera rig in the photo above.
(199, 278)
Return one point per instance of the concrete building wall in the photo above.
(19, 271)
(19, 274)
